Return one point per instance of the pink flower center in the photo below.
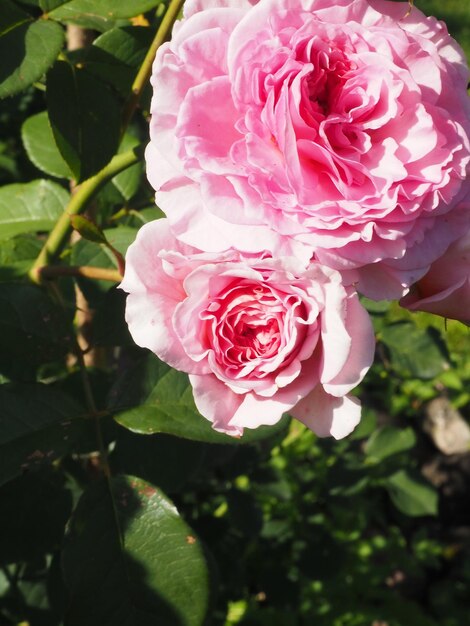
(251, 325)
(326, 80)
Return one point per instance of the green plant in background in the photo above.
(118, 503)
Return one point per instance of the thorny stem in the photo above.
(87, 388)
(145, 70)
(91, 406)
(59, 235)
(87, 271)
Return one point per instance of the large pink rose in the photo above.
(445, 289)
(339, 126)
(259, 336)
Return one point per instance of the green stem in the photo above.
(87, 271)
(145, 70)
(79, 201)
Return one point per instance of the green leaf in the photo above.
(30, 207)
(87, 253)
(413, 351)
(38, 424)
(165, 404)
(127, 45)
(40, 146)
(17, 256)
(33, 330)
(29, 408)
(412, 495)
(110, 9)
(128, 182)
(27, 51)
(85, 119)
(116, 55)
(87, 229)
(91, 232)
(129, 559)
(387, 441)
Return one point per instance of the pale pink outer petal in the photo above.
(143, 265)
(328, 415)
(216, 402)
(231, 412)
(453, 302)
(257, 411)
(153, 296)
(391, 279)
(361, 353)
(334, 334)
(382, 282)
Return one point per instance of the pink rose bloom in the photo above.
(258, 336)
(445, 289)
(342, 127)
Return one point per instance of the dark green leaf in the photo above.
(16, 257)
(29, 408)
(411, 494)
(165, 404)
(28, 3)
(10, 16)
(50, 5)
(109, 325)
(33, 330)
(415, 352)
(389, 440)
(85, 119)
(165, 461)
(116, 55)
(111, 9)
(33, 512)
(27, 51)
(38, 424)
(129, 559)
(30, 207)
(41, 148)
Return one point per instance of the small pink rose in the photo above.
(259, 336)
(445, 289)
(340, 127)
